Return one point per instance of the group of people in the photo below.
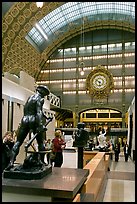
(116, 148)
(55, 146)
(126, 150)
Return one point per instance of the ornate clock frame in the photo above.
(99, 82)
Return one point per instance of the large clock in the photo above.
(99, 82)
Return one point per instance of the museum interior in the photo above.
(84, 52)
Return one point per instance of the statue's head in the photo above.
(43, 90)
(81, 125)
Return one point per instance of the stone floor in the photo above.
(121, 181)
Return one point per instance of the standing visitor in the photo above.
(48, 148)
(7, 144)
(126, 152)
(116, 149)
(58, 146)
(119, 147)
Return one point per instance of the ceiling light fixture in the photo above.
(82, 68)
(39, 4)
(82, 42)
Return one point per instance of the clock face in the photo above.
(99, 81)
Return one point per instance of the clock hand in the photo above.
(99, 82)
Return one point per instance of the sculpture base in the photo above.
(33, 173)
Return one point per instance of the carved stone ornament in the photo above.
(99, 82)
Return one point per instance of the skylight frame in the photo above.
(58, 19)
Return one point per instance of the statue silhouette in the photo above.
(33, 120)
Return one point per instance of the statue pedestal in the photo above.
(33, 173)
(63, 184)
(80, 145)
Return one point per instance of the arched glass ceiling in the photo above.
(56, 22)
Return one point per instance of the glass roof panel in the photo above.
(53, 19)
(69, 5)
(71, 11)
(36, 36)
(45, 27)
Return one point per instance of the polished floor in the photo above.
(121, 181)
(121, 178)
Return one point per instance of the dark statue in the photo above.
(81, 136)
(32, 121)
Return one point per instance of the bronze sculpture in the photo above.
(33, 120)
(81, 138)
